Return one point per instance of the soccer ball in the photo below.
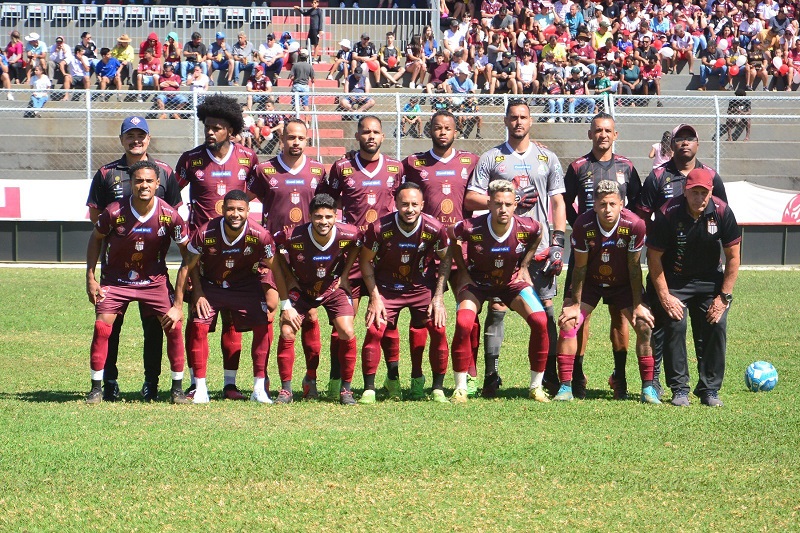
(760, 376)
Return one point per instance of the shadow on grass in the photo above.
(44, 396)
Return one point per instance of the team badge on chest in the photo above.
(711, 226)
(523, 181)
(295, 197)
(498, 263)
(320, 272)
(405, 258)
(446, 188)
(139, 246)
(221, 189)
(372, 198)
(229, 263)
(605, 257)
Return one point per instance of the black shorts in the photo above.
(313, 36)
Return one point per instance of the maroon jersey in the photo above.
(366, 191)
(318, 267)
(236, 264)
(405, 261)
(443, 182)
(136, 244)
(607, 264)
(211, 178)
(493, 260)
(285, 193)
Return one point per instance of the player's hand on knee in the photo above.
(569, 316)
(290, 316)
(202, 307)
(437, 312)
(172, 318)
(642, 314)
(94, 292)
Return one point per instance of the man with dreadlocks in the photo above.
(211, 170)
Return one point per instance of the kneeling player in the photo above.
(397, 264)
(229, 258)
(500, 248)
(317, 254)
(607, 243)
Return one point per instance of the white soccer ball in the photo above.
(760, 376)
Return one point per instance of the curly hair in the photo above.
(222, 107)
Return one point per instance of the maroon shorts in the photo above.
(247, 305)
(336, 304)
(619, 297)
(357, 288)
(505, 294)
(417, 300)
(155, 299)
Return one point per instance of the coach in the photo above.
(687, 276)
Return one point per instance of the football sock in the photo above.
(311, 346)
(552, 335)
(536, 379)
(620, 358)
(286, 385)
(417, 339)
(229, 377)
(258, 385)
(461, 380)
(152, 351)
(113, 349)
(578, 367)
(438, 381)
(97, 383)
(369, 381)
(392, 370)
(285, 359)
(336, 370)
(538, 342)
(262, 341)
(198, 350)
(190, 334)
(390, 343)
(565, 367)
(371, 350)
(177, 384)
(99, 349)
(191, 376)
(347, 359)
(475, 337)
(439, 350)
(346, 385)
(646, 368)
(175, 352)
(201, 386)
(231, 345)
(493, 333)
(491, 364)
(461, 349)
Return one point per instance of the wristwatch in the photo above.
(726, 297)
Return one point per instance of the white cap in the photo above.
(303, 52)
(345, 43)
(32, 37)
(463, 68)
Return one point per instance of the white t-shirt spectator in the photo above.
(766, 10)
(561, 8)
(79, 68)
(527, 72)
(746, 28)
(271, 53)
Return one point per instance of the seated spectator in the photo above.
(342, 61)
(459, 85)
(659, 24)
(651, 78)
(780, 22)
(198, 80)
(108, 71)
(749, 28)
(151, 42)
(90, 49)
(41, 85)
(526, 75)
(558, 50)
(302, 77)
(172, 52)
(625, 44)
(15, 54)
(36, 53)
(503, 23)
(60, 55)
(602, 35)
(474, 37)
(586, 54)
(574, 20)
(271, 56)
(489, 8)
(481, 66)
(712, 61)
(602, 83)
(389, 60)
(170, 98)
(681, 44)
(415, 63)
(260, 84)
(148, 72)
(194, 54)
(504, 76)
(576, 87)
(574, 63)
(411, 122)
(781, 75)
(630, 81)
(770, 40)
(452, 40)
(125, 54)
(645, 51)
(5, 79)
(429, 45)
(757, 60)
(244, 57)
(79, 71)
(553, 86)
(439, 72)
(357, 88)
(459, 58)
(363, 52)
(219, 57)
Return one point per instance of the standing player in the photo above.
(442, 174)
(135, 234)
(363, 186)
(398, 267)
(317, 257)
(607, 242)
(285, 186)
(537, 175)
(211, 170)
(500, 249)
(112, 183)
(662, 184)
(229, 257)
(580, 180)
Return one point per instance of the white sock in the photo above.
(461, 380)
(258, 385)
(177, 375)
(97, 374)
(191, 377)
(536, 379)
(230, 377)
(201, 386)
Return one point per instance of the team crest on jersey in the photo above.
(711, 226)
(139, 246)
(301, 257)
(393, 168)
(229, 263)
(621, 243)
(478, 248)
(350, 182)
(120, 220)
(620, 177)
(321, 272)
(316, 171)
(499, 158)
(197, 163)
(117, 179)
(423, 175)
(295, 197)
(445, 188)
(242, 174)
(405, 258)
(221, 189)
(372, 198)
(270, 170)
(347, 171)
(247, 250)
(162, 231)
(499, 262)
(605, 257)
(404, 270)
(522, 182)
(624, 231)
(244, 161)
(419, 163)
(199, 174)
(465, 160)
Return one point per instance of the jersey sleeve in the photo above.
(372, 236)
(578, 239)
(172, 191)
(719, 188)
(195, 245)
(331, 184)
(180, 230)
(479, 181)
(257, 185)
(648, 194)
(96, 197)
(731, 233)
(442, 240)
(638, 235)
(459, 231)
(570, 193)
(555, 179)
(103, 225)
(658, 233)
(633, 189)
(181, 174)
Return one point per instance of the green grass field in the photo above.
(504, 464)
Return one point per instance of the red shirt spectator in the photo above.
(151, 42)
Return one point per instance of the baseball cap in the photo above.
(626, 33)
(475, 21)
(286, 34)
(59, 39)
(220, 35)
(601, 68)
(366, 35)
(507, 54)
(134, 123)
(345, 43)
(700, 177)
(270, 36)
(463, 69)
(303, 52)
(684, 127)
(453, 22)
(576, 70)
(260, 68)
(359, 71)
(604, 23)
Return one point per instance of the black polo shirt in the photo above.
(667, 182)
(692, 247)
(111, 183)
(585, 173)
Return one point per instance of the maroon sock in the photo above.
(371, 350)
(190, 334)
(198, 349)
(462, 347)
(566, 363)
(231, 345)
(99, 349)
(285, 358)
(347, 358)
(390, 343)
(538, 342)
(175, 352)
(262, 341)
(646, 365)
(438, 350)
(417, 339)
(311, 346)
(475, 338)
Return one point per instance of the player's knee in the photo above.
(287, 332)
(643, 331)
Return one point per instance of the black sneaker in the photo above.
(111, 391)
(680, 399)
(491, 383)
(95, 396)
(149, 392)
(619, 386)
(346, 398)
(579, 387)
(711, 399)
(551, 384)
(178, 397)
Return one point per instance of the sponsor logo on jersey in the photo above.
(522, 235)
(476, 238)
(162, 231)
(500, 249)
(427, 236)
(295, 182)
(208, 241)
(371, 183)
(465, 160)
(393, 168)
(120, 220)
(346, 172)
(316, 171)
(166, 219)
(542, 158)
(620, 177)
(420, 163)
(344, 244)
(621, 243)
(624, 231)
(220, 173)
(387, 234)
(244, 161)
(522, 167)
(197, 163)
(520, 248)
(591, 233)
(242, 174)
(390, 182)
(231, 251)
(141, 230)
(247, 250)
(404, 270)
(406, 245)
(297, 246)
(423, 175)
(445, 172)
(251, 238)
(321, 258)
(270, 170)
(499, 158)
(313, 183)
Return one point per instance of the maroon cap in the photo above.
(700, 177)
(686, 127)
